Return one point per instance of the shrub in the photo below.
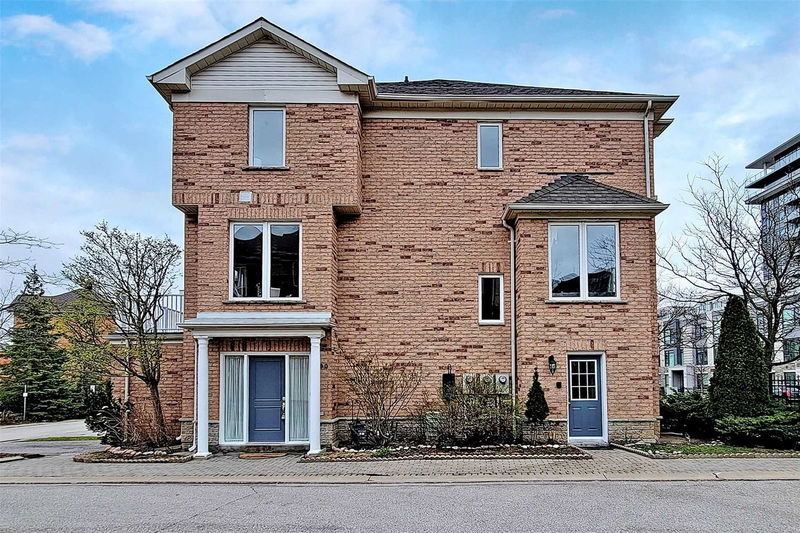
(536, 409)
(740, 385)
(474, 415)
(778, 430)
(380, 391)
(688, 413)
(107, 416)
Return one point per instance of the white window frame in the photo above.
(250, 162)
(584, 273)
(266, 263)
(499, 126)
(491, 322)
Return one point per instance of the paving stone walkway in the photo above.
(605, 464)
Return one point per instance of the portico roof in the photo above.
(266, 323)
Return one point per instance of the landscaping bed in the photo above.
(126, 455)
(703, 451)
(399, 453)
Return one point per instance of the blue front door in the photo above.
(585, 396)
(267, 400)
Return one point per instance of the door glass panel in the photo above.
(565, 270)
(583, 380)
(234, 399)
(298, 398)
(284, 261)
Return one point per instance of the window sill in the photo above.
(484, 323)
(585, 301)
(265, 169)
(486, 169)
(265, 301)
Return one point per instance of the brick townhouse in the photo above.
(485, 228)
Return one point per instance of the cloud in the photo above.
(85, 41)
(364, 32)
(552, 14)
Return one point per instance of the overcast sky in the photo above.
(84, 137)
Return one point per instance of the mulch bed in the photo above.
(789, 454)
(119, 455)
(429, 452)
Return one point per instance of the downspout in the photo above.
(513, 273)
(647, 148)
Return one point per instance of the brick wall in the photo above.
(401, 278)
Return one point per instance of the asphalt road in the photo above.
(67, 428)
(574, 506)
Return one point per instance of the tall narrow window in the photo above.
(490, 146)
(267, 137)
(490, 299)
(275, 265)
(284, 261)
(248, 252)
(233, 408)
(298, 398)
(584, 261)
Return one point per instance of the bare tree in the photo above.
(127, 275)
(733, 248)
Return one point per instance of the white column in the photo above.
(202, 397)
(314, 363)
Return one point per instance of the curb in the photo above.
(399, 480)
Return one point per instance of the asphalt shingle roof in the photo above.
(61, 301)
(579, 189)
(474, 88)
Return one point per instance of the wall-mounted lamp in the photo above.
(551, 364)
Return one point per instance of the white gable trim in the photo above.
(177, 76)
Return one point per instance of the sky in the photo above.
(84, 137)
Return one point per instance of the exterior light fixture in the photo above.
(551, 364)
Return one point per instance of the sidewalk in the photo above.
(606, 465)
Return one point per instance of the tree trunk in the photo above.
(158, 414)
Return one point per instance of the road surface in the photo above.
(750, 506)
(67, 428)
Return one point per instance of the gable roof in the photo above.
(177, 76)
(580, 193)
(441, 87)
(61, 301)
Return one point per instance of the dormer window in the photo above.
(490, 146)
(267, 137)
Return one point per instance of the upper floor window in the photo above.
(490, 146)
(490, 299)
(584, 261)
(267, 137)
(700, 355)
(265, 254)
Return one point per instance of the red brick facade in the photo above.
(401, 277)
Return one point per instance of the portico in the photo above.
(252, 395)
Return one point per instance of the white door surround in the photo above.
(603, 439)
(267, 324)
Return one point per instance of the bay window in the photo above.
(265, 260)
(584, 261)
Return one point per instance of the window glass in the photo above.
(489, 146)
(601, 260)
(490, 298)
(284, 261)
(583, 380)
(247, 260)
(234, 402)
(267, 142)
(701, 356)
(565, 261)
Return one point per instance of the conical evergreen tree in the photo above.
(740, 385)
(37, 360)
(536, 409)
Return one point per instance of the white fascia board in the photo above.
(266, 319)
(526, 98)
(520, 114)
(516, 209)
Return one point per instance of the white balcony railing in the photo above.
(171, 315)
(788, 158)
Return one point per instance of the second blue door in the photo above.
(267, 400)
(585, 397)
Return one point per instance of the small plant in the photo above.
(8, 417)
(688, 413)
(380, 391)
(536, 408)
(383, 451)
(108, 416)
(778, 430)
